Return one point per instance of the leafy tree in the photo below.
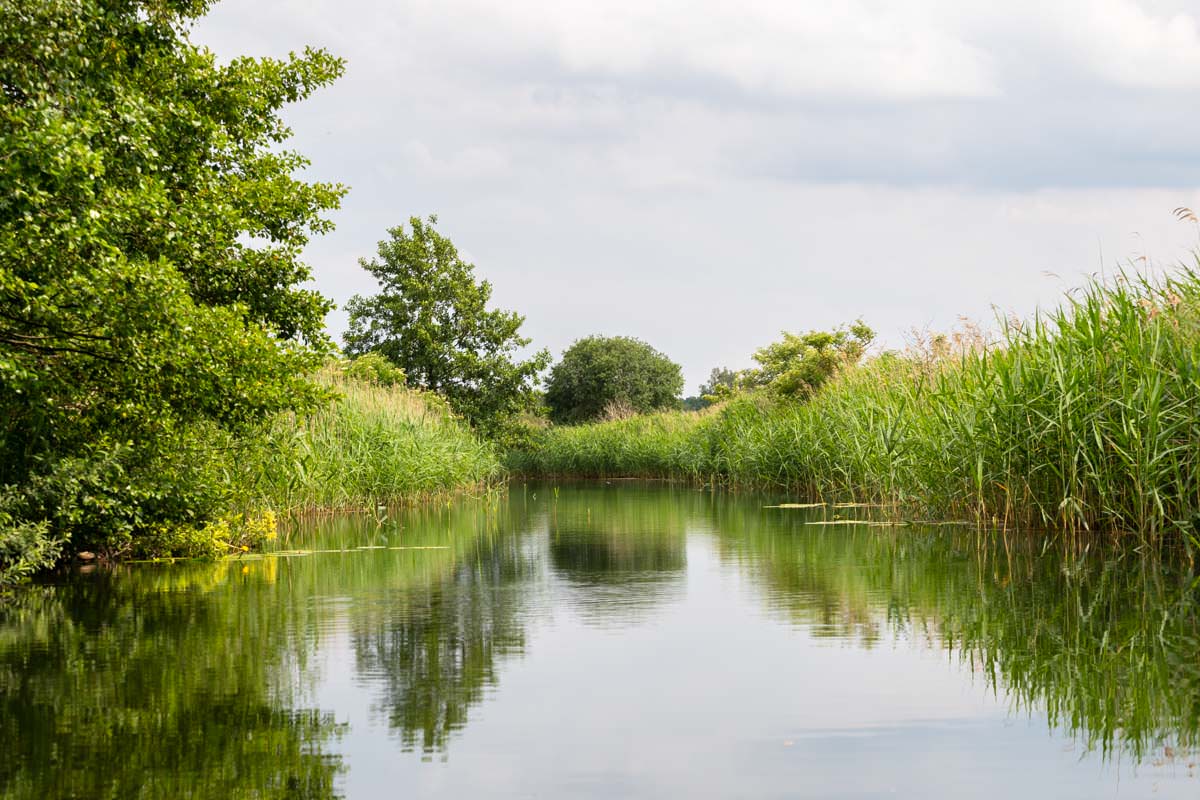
(799, 364)
(431, 320)
(150, 234)
(598, 372)
(720, 384)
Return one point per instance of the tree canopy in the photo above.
(151, 224)
(598, 372)
(430, 318)
(720, 384)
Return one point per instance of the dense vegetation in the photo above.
(159, 356)
(167, 386)
(373, 445)
(613, 376)
(370, 445)
(1084, 418)
(150, 300)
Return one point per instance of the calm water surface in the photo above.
(609, 641)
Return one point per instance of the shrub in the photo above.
(374, 368)
(599, 371)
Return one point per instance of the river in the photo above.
(619, 640)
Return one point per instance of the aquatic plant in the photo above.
(373, 445)
(1083, 418)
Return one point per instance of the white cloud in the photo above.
(1132, 47)
(849, 48)
(704, 175)
(854, 49)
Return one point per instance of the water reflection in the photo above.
(205, 680)
(429, 651)
(1106, 639)
(619, 560)
(153, 687)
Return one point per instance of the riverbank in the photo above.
(369, 447)
(1084, 418)
(374, 445)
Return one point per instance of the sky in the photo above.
(705, 175)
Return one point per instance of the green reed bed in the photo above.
(371, 446)
(647, 446)
(1087, 417)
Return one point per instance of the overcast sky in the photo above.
(703, 175)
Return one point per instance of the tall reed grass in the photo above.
(373, 445)
(1086, 417)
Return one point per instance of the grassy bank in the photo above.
(1087, 417)
(370, 445)
(374, 445)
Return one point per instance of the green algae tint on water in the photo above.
(610, 641)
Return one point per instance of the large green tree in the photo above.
(151, 223)
(601, 373)
(431, 319)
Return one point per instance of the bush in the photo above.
(617, 373)
(231, 533)
(798, 365)
(25, 548)
(374, 368)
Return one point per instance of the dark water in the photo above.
(610, 641)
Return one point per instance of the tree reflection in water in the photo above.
(196, 680)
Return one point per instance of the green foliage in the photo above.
(664, 444)
(231, 534)
(431, 320)
(150, 235)
(25, 547)
(374, 368)
(720, 385)
(798, 365)
(602, 373)
(375, 444)
(1084, 418)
